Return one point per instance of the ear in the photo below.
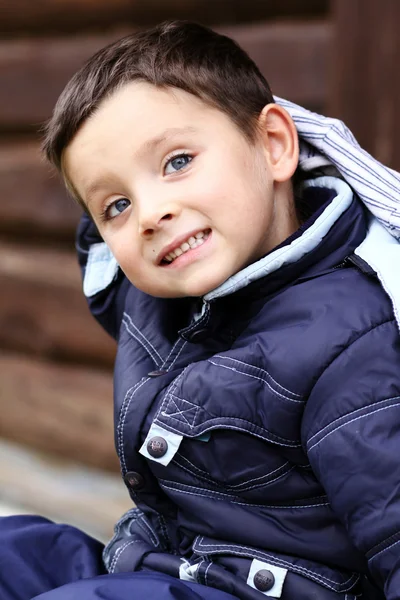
(280, 141)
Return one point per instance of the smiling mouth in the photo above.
(194, 241)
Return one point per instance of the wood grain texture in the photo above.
(366, 82)
(43, 310)
(58, 409)
(293, 56)
(33, 198)
(74, 15)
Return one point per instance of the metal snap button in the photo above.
(157, 446)
(134, 480)
(264, 580)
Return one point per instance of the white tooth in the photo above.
(200, 234)
(191, 241)
(172, 254)
(178, 252)
(185, 247)
(201, 241)
(168, 258)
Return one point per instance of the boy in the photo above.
(257, 377)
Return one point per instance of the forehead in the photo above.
(145, 110)
(138, 111)
(135, 120)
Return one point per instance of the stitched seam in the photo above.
(380, 544)
(146, 528)
(211, 496)
(265, 483)
(142, 344)
(287, 250)
(178, 341)
(117, 529)
(121, 423)
(202, 321)
(164, 530)
(272, 437)
(181, 412)
(174, 486)
(120, 441)
(143, 336)
(232, 488)
(387, 547)
(205, 574)
(351, 421)
(197, 472)
(197, 475)
(178, 354)
(200, 473)
(261, 477)
(357, 410)
(241, 550)
(165, 402)
(214, 496)
(349, 346)
(258, 369)
(178, 411)
(119, 553)
(255, 377)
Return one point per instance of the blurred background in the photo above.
(57, 458)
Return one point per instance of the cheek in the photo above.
(124, 250)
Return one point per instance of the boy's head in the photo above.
(170, 139)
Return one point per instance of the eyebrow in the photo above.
(96, 186)
(147, 147)
(153, 143)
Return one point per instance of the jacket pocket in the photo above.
(299, 579)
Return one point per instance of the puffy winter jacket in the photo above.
(258, 428)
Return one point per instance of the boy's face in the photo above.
(181, 198)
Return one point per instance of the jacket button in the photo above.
(199, 335)
(157, 446)
(264, 580)
(156, 373)
(134, 480)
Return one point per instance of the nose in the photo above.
(152, 220)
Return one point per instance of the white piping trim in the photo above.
(299, 247)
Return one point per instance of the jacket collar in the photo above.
(321, 244)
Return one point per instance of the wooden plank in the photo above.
(41, 207)
(58, 409)
(33, 482)
(72, 15)
(366, 84)
(42, 308)
(293, 56)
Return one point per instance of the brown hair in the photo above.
(176, 54)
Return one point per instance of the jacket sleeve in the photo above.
(351, 429)
(104, 284)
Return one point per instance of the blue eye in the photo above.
(117, 207)
(178, 162)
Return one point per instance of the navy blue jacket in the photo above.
(258, 428)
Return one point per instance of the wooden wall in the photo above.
(55, 361)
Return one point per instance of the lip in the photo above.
(191, 255)
(176, 243)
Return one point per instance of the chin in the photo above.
(198, 289)
(192, 288)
